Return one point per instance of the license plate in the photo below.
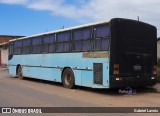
(137, 68)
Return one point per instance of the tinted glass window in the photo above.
(18, 44)
(49, 43)
(48, 38)
(37, 45)
(11, 48)
(64, 36)
(101, 44)
(37, 41)
(63, 42)
(82, 34)
(26, 46)
(101, 38)
(82, 39)
(18, 47)
(102, 31)
(26, 42)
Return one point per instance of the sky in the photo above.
(28, 17)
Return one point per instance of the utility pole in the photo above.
(138, 18)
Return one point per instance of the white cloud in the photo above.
(93, 10)
(123, 8)
(43, 4)
(13, 1)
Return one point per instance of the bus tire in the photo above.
(19, 72)
(68, 79)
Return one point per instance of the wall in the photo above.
(5, 38)
(4, 56)
(4, 48)
(0, 57)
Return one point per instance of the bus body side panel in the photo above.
(88, 76)
(44, 66)
(78, 75)
(50, 67)
(12, 70)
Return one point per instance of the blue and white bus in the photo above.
(118, 53)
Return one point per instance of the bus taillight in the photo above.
(116, 69)
(154, 73)
(155, 70)
(119, 79)
(153, 78)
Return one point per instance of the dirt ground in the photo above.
(37, 93)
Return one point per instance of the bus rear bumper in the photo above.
(131, 82)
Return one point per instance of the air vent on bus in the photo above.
(98, 73)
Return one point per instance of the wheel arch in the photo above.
(71, 83)
(64, 70)
(17, 68)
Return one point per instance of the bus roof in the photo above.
(62, 30)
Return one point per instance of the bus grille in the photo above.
(98, 73)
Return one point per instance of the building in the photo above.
(158, 48)
(4, 39)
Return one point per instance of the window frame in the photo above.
(17, 48)
(48, 44)
(69, 42)
(89, 39)
(36, 48)
(26, 46)
(107, 37)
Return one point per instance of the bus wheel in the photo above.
(68, 79)
(19, 73)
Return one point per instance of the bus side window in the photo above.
(81, 39)
(101, 37)
(18, 47)
(37, 45)
(26, 46)
(48, 43)
(11, 48)
(63, 42)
